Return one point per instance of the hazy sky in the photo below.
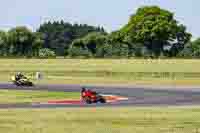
(111, 14)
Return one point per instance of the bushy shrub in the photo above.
(79, 52)
(104, 51)
(120, 50)
(46, 53)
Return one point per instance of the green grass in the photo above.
(101, 120)
(22, 96)
(106, 71)
(98, 65)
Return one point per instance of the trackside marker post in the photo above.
(39, 76)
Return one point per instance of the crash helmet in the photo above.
(83, 89)
(19, 73)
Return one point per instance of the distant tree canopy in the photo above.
(59, 35)
(3, 43)
(21, 41)
(151, 32)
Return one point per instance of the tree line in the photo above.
(51, 39)
(151, 32)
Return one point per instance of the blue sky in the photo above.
(112, 14)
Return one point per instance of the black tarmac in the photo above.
(137, 95)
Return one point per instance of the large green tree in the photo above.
(90, 45)
(155, 28)
(3, 43)
(195, 46)
(20, 40)
(37, 43)
(191, 50)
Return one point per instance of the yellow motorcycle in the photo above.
(22, 82)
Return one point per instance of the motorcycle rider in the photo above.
(20, 79)
(90, 96)
(19, 76)
(85, 92)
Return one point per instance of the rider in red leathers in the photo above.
(91, 96)
(86, 93)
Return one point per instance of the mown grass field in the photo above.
(101, 120)
(106, 71)
(22, 96)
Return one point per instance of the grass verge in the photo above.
(106, 71)
(120, 82)
(21, 96)
(101, 120)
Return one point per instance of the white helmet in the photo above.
(19, 73)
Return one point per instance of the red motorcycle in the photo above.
(90, 97)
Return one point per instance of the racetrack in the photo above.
(137, 96)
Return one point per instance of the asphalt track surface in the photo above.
(137, 96)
